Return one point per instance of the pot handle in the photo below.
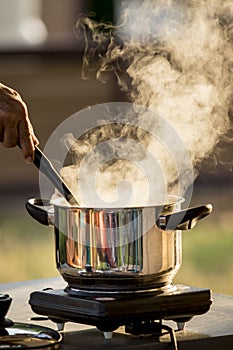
(41, 210)
(185, 219)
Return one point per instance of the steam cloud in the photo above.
(175, 58)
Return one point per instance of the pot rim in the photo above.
(167, 200)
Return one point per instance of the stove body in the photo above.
(136, 311)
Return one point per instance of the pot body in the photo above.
(116, 250)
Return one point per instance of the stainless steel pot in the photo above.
(113, 250)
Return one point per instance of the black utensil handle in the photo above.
(39, 210)
(184, 219)
(46, 167)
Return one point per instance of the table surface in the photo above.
(213, 330)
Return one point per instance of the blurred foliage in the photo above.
(208, 255)
(26, 249)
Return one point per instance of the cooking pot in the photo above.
(113, 250)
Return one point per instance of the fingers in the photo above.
(9, 135)
(20, 134)
(15, 126)
(17, 130)
(26, 137)
(27, 140)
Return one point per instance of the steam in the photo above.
(174, 58)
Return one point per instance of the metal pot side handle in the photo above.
(41, 210)
(184, 219)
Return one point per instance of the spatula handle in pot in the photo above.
(46, 167)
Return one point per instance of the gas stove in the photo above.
(141, 313)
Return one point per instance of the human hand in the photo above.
(15, 126)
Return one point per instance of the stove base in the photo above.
(108, 313)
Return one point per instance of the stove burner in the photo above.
(137, 312)
(118, 293)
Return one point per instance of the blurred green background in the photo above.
(46, 70)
